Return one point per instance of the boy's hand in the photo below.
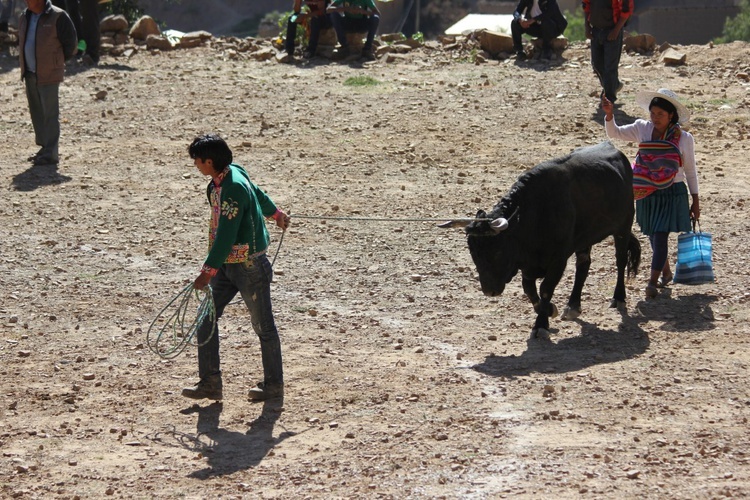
(201, 281)
(282, 219)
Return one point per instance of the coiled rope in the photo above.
(169, 340)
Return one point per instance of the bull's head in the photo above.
(493, 250)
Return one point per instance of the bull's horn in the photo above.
(499, 225)
(452, 223)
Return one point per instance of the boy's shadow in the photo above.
(228, 451)
(38, 176)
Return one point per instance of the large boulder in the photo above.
(495, 42)
(113, 24)
(144, 27)
(159, 42)
(640, 43)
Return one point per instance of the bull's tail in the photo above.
(634, 255)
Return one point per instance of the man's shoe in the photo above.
(342, 52)
(308, 54)
(207, 388)
(368, 55)
(520, 55)
(265, 391)
(40, 160)
(547, 54)
(651, 291)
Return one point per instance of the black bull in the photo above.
(560, 207)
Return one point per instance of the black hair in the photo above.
(211, 147)
(666, 106)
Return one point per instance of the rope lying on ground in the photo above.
(175, 334)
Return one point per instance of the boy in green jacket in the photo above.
(236, 262)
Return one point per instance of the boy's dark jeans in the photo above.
(253, 281)
(605, 58)
(343, 25)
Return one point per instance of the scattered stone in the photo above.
(673, 58)
(158, 42)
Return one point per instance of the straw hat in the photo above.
(643, 99)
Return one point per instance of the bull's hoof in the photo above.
(571, 313)
(553, 313)
(540, 333)
(618, 304)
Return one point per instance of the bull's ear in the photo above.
(481, 214)
(499, 224)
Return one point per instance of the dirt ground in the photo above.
(402, 379)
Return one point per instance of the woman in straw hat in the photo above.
(665, 161)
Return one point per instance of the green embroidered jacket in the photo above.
(237, 228)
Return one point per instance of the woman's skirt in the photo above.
(664, 211)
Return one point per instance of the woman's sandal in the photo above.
(651, 291)
(664, 281)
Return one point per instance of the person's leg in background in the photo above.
(90, 31)
(5, 13)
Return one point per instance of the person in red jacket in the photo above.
(605, 20)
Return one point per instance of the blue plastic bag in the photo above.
(694, 258)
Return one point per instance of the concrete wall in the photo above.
(684, 25)
(219, 17)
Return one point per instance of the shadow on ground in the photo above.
(38, 176)
(595, 346)
(228, 451)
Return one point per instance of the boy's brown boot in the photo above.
(266, 391)
(208, 388)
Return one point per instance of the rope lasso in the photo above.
(394, 219)
(175, 334)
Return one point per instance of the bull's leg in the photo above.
(583, 263)
(546, 308)
(529, 289)
(621, 257)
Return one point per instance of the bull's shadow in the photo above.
(594, 346)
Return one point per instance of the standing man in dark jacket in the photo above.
(85, 17)
(540, 19)
(604, 20)
(47, 38)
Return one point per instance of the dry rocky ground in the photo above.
(403, 380)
